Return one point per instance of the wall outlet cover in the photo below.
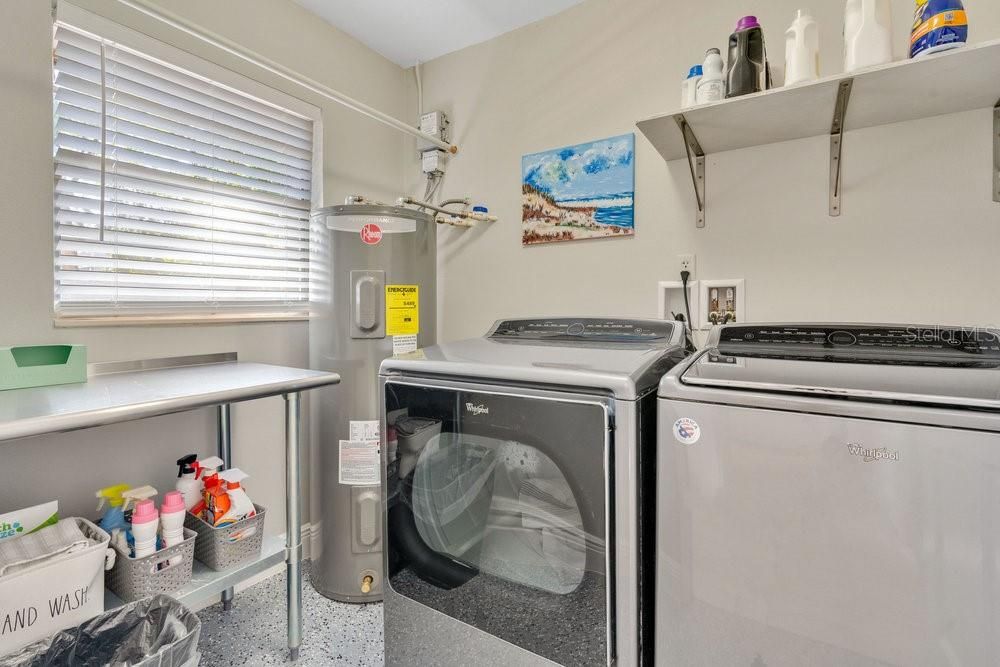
(686, 263)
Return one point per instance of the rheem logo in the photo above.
(371, 233)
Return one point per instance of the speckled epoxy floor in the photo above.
(254, 631)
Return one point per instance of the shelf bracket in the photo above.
(996, 152)
(696, 163)
(837, 144)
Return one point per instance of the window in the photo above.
(175, 195)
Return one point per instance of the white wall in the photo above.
(916, 243)
(359, 156)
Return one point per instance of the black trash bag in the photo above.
(155, 632)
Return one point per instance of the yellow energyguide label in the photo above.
(402, 310)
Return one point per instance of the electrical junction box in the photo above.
(434, 123)
(433, 161)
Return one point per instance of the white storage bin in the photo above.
(57, 594)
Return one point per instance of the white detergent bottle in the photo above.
(240, 505)
(172, 522)
(131, 498)
(867, 34)
(145, 521)
(802, 49)
(712, 85)
(689, 89)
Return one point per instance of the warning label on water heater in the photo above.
(360, 462)
(364, 430)
(402, 310)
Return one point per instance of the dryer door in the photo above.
(497, 513)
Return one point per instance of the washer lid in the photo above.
(623, 356)
(910, 364)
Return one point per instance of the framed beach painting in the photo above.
(585, 191)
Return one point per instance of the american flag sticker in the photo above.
(687, 431)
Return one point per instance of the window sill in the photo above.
(67, 322)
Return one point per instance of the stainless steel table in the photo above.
(126, 391)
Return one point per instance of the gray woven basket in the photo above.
(222, 548)
(138, 578)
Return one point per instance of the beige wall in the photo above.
(359, 156)
(917, 240)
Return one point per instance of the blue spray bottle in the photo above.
(113, 521)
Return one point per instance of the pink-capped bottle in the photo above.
(172, 522)
(145, 521)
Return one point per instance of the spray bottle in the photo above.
(188, 483)
(240, 505)
(113, 521)
(207, 470)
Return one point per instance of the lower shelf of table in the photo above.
(206, 584)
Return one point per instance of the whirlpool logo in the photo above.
(870, 454)
(474, 409)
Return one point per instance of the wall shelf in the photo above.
(951, 82)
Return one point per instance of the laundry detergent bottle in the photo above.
(712, 86)
(802, 50)
(689, 87)
(172, 522)
(145, 522)
(939, 25)
(867, 34)
(747, 70)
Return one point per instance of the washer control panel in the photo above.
(861, 342)
(583, 330)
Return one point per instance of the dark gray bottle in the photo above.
(748, 70)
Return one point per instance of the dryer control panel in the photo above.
(584, 330)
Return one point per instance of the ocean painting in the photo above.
(579, 192)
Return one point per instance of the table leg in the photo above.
(293, 522)
(225, 441)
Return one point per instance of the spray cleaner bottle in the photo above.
(188, 483)
(113, 520)
(239, 504)
(208, 470)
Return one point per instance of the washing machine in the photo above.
(830, 495)
(519, 494)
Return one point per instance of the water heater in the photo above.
(374, 294)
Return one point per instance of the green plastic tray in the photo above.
(40, 365)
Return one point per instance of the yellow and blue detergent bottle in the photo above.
(938, 25)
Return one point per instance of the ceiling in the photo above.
(412, 31)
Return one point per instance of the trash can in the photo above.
(155, 632)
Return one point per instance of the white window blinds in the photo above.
(202, 205)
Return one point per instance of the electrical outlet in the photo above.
(685, 263)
